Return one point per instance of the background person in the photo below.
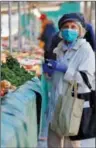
(47, 31)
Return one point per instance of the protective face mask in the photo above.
(69, 35)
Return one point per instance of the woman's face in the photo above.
(71, 25)
(70, 31)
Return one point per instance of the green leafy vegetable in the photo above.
(12, 72)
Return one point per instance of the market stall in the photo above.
(19, 116)
(20, 94)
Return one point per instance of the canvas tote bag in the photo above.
(68, 113)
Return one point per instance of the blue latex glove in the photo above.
(61, 67)
(47, 69)
(58, 66)
(52, 64)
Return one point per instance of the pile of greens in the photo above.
(12, 72)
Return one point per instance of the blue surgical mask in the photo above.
(69, 35)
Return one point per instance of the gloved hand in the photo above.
(57, 65)
(48, 69)
(52, 64)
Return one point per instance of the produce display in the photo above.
(20, 67)
(12, 72)
(6, 86)
(31, 59)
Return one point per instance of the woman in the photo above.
(74, 54)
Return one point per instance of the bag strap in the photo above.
(73, 85)
(85, 79)
(75, 89)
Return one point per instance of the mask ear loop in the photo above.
(60, 34)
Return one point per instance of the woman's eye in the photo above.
(66, 26)
(73, 27)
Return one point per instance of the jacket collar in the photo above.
(76, 45)
(79, 43)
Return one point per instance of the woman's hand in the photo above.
(50, 66)
(57, 66)
(47, 69)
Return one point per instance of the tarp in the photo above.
(19, 116)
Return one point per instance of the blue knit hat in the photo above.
(71, 17)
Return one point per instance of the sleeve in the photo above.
(54, 42)
(87, 65)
